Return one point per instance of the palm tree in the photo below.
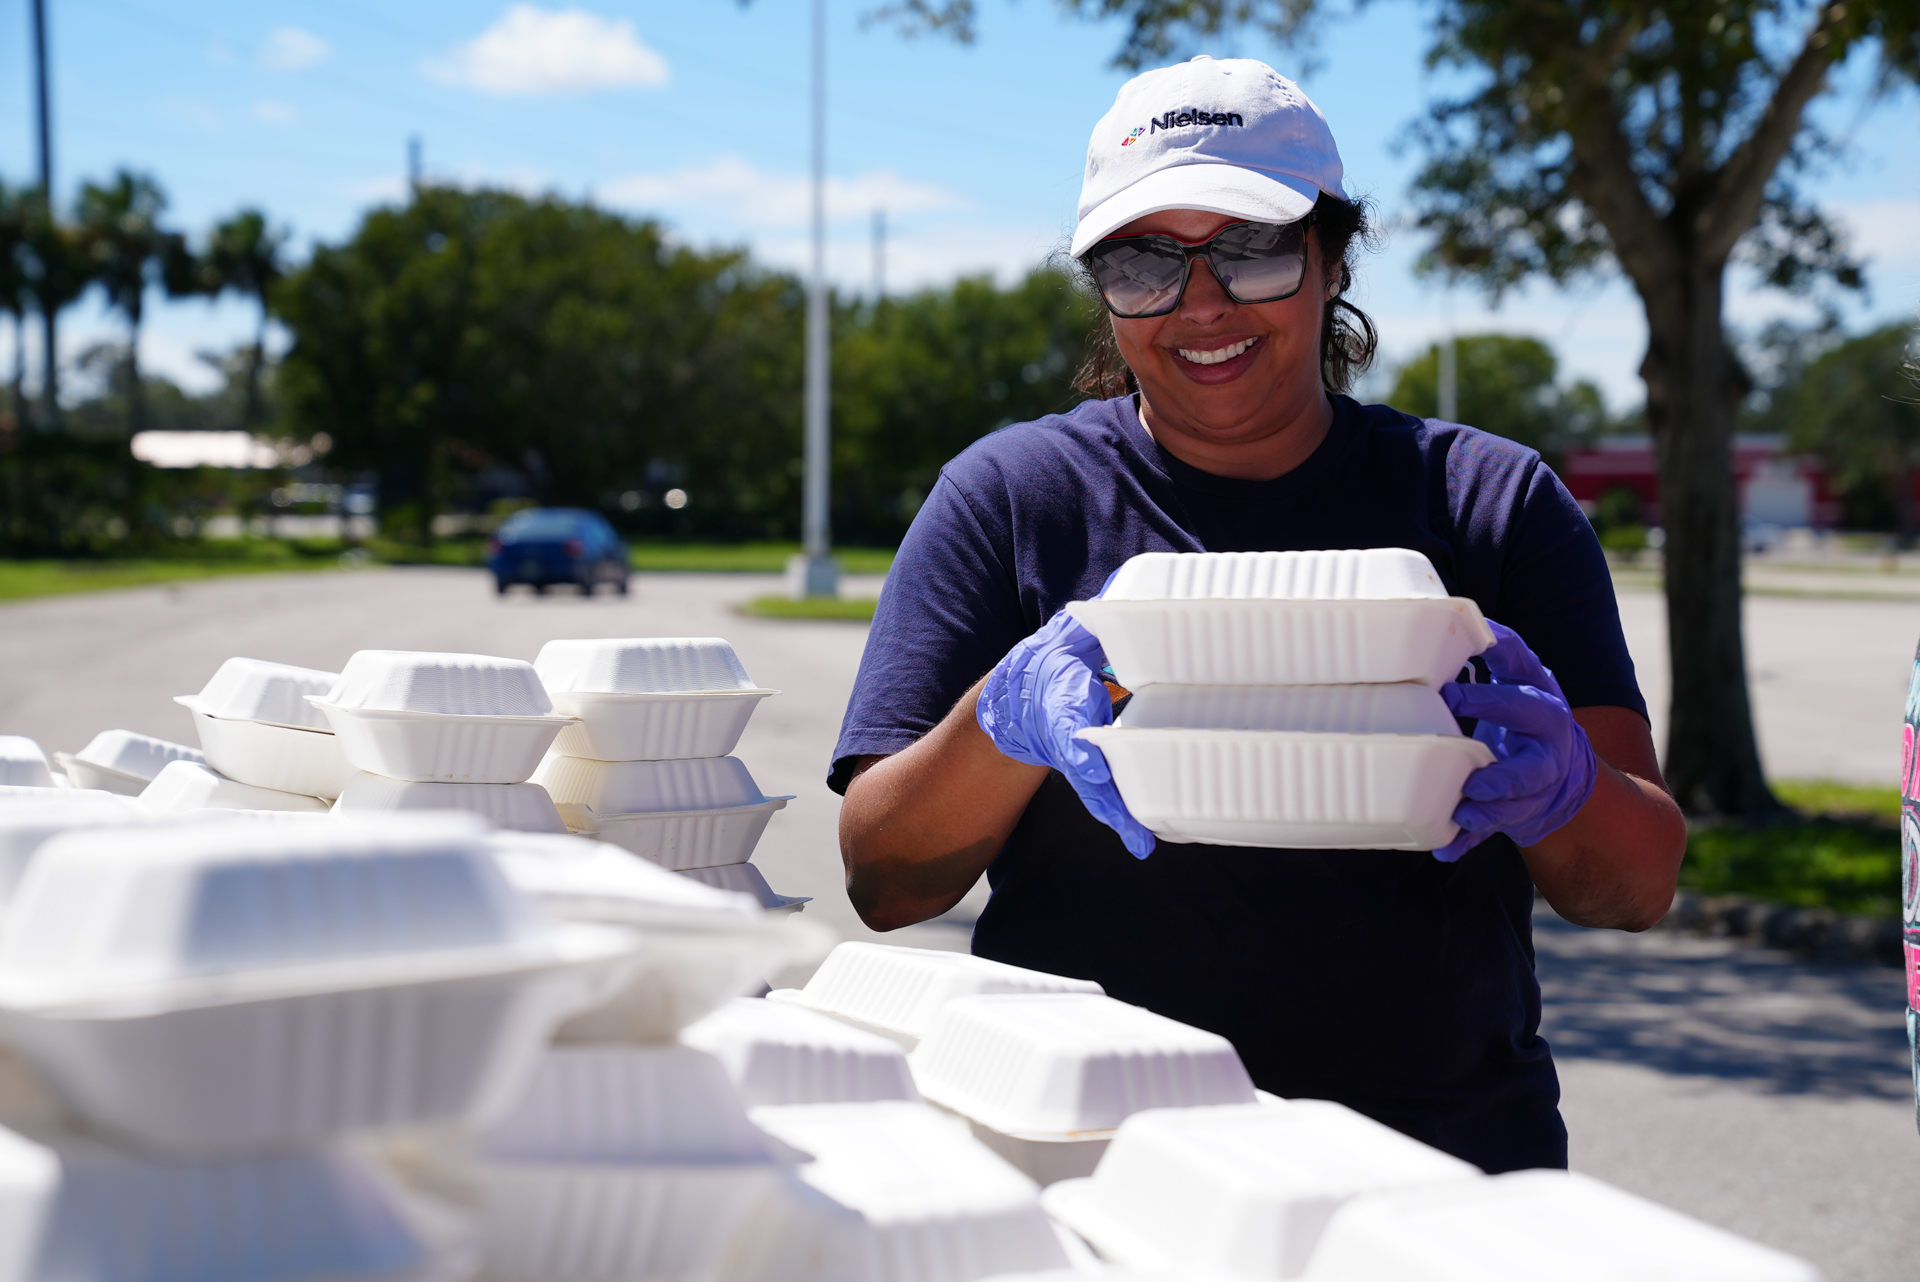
(244, 256)
(13, 290)
(59, 270)
(120, 224)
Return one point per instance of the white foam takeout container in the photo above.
(778, 1053)
(679, 814)
(747, 880)
(615, 1162)
(896, 992)
(889, 1192)
(188, 785)
(76, 1208)
(281, 758)
(1404, 707)
(25, 827)
(122, 761)
(1282, 618)
(1533, 1224)
(1284, 789)
(1046, 1077)
(256, 690)
(453, 718)
(1244, 1189)
(649, 698)
(236, 987)
(523, 807)
(23, 764)
(700, 946)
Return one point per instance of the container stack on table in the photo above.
(1287, 699)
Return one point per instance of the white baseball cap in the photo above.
(1231, 136)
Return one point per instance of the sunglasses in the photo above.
(1141, 276)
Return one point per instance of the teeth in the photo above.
(1214, 358)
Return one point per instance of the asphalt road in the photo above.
(1736, 1084)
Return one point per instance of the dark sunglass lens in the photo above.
(1137, 277)
(1261, 262)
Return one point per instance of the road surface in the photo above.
(1753, 1091)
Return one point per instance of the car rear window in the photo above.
(542, 525)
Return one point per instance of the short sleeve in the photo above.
(950, 610)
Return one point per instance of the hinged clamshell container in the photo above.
(189, 785)
(1535, 1224)
(1291, 790)
(122, 761)
(523, 807)
(643, 665)
(778, 1053)
(649, 698)
(1046, 1077)
(23, 764)
(25, 827)
(1246, 1189)
(281, 758)
(649, 787)
(681, 840)
(1282, 618)
(256, 690)
(747, 880)
(235, 987)
(459, 685)
(897, 992)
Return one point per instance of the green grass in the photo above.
(1842, 851)
(746, 558)
(856, 609)
(22, 579)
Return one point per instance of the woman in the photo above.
(1214, 223)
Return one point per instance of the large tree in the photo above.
(1507, 387)
(1660, 138)
(244, 255)
(129, 251)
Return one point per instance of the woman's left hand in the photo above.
(1543, 769)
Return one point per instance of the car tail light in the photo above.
(493, 547)
(574, 547)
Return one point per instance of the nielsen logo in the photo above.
(1177, 119)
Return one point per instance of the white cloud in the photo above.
(269, 112)
(530, 50)
(291, 49)
(1884, 232)
(747, 196)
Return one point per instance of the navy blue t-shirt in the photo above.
(1386, 980)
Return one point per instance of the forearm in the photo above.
(919, 827)
(1616, 863)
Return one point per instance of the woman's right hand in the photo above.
(1039, 697)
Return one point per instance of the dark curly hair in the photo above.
(1347, 336)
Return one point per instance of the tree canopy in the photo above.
(1507, 387)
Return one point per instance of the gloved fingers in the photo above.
(1460, 845)
(1528, 709)
(1529, 771)
(1103, 803)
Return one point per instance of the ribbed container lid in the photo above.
(1380, 574)
(642, 665)
(140, 755)
(649, 787)
(476, 685)
(23, 764)
(256, 690)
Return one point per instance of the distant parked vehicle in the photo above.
(544, 546)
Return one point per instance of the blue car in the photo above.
(544, 546)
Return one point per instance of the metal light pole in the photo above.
(1449, 381)
(814, 572)
(50, 385)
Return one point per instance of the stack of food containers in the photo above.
(257, 728)
(434, 731)
(1287, 699)
(213, 1039)
(645, 766)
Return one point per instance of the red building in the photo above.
(1775, 488)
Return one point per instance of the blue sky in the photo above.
(304, 108)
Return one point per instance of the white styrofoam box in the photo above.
(23, 764)
(524, 807)
(1534, 1224)
(232, 987)
(282, 758)
(256, 690)
(122, 761)
(681, 840)
(642, 665)
(653, 727)
(438, 747)
(188, 785)
(12, 794)
(1243, 1188)
(25, 827)
(778, 1053)
(116, 1216)
(747, 880)
(1404, 707)
(701, 946)
(1262, 642)
(1070, 1065)
(632, 1104)
(896, 992)
(894, 1192)
(1291, 790)
(30, 1184)
(649, 787)
(1372, 574)
(474, 685)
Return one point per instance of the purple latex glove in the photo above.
(1047, 688)
(1543, 768)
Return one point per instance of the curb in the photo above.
(1819, 934)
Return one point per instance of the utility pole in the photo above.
(50, 385)
(413, 164)
(879, 255)
(1449, 381)
(814, 572)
